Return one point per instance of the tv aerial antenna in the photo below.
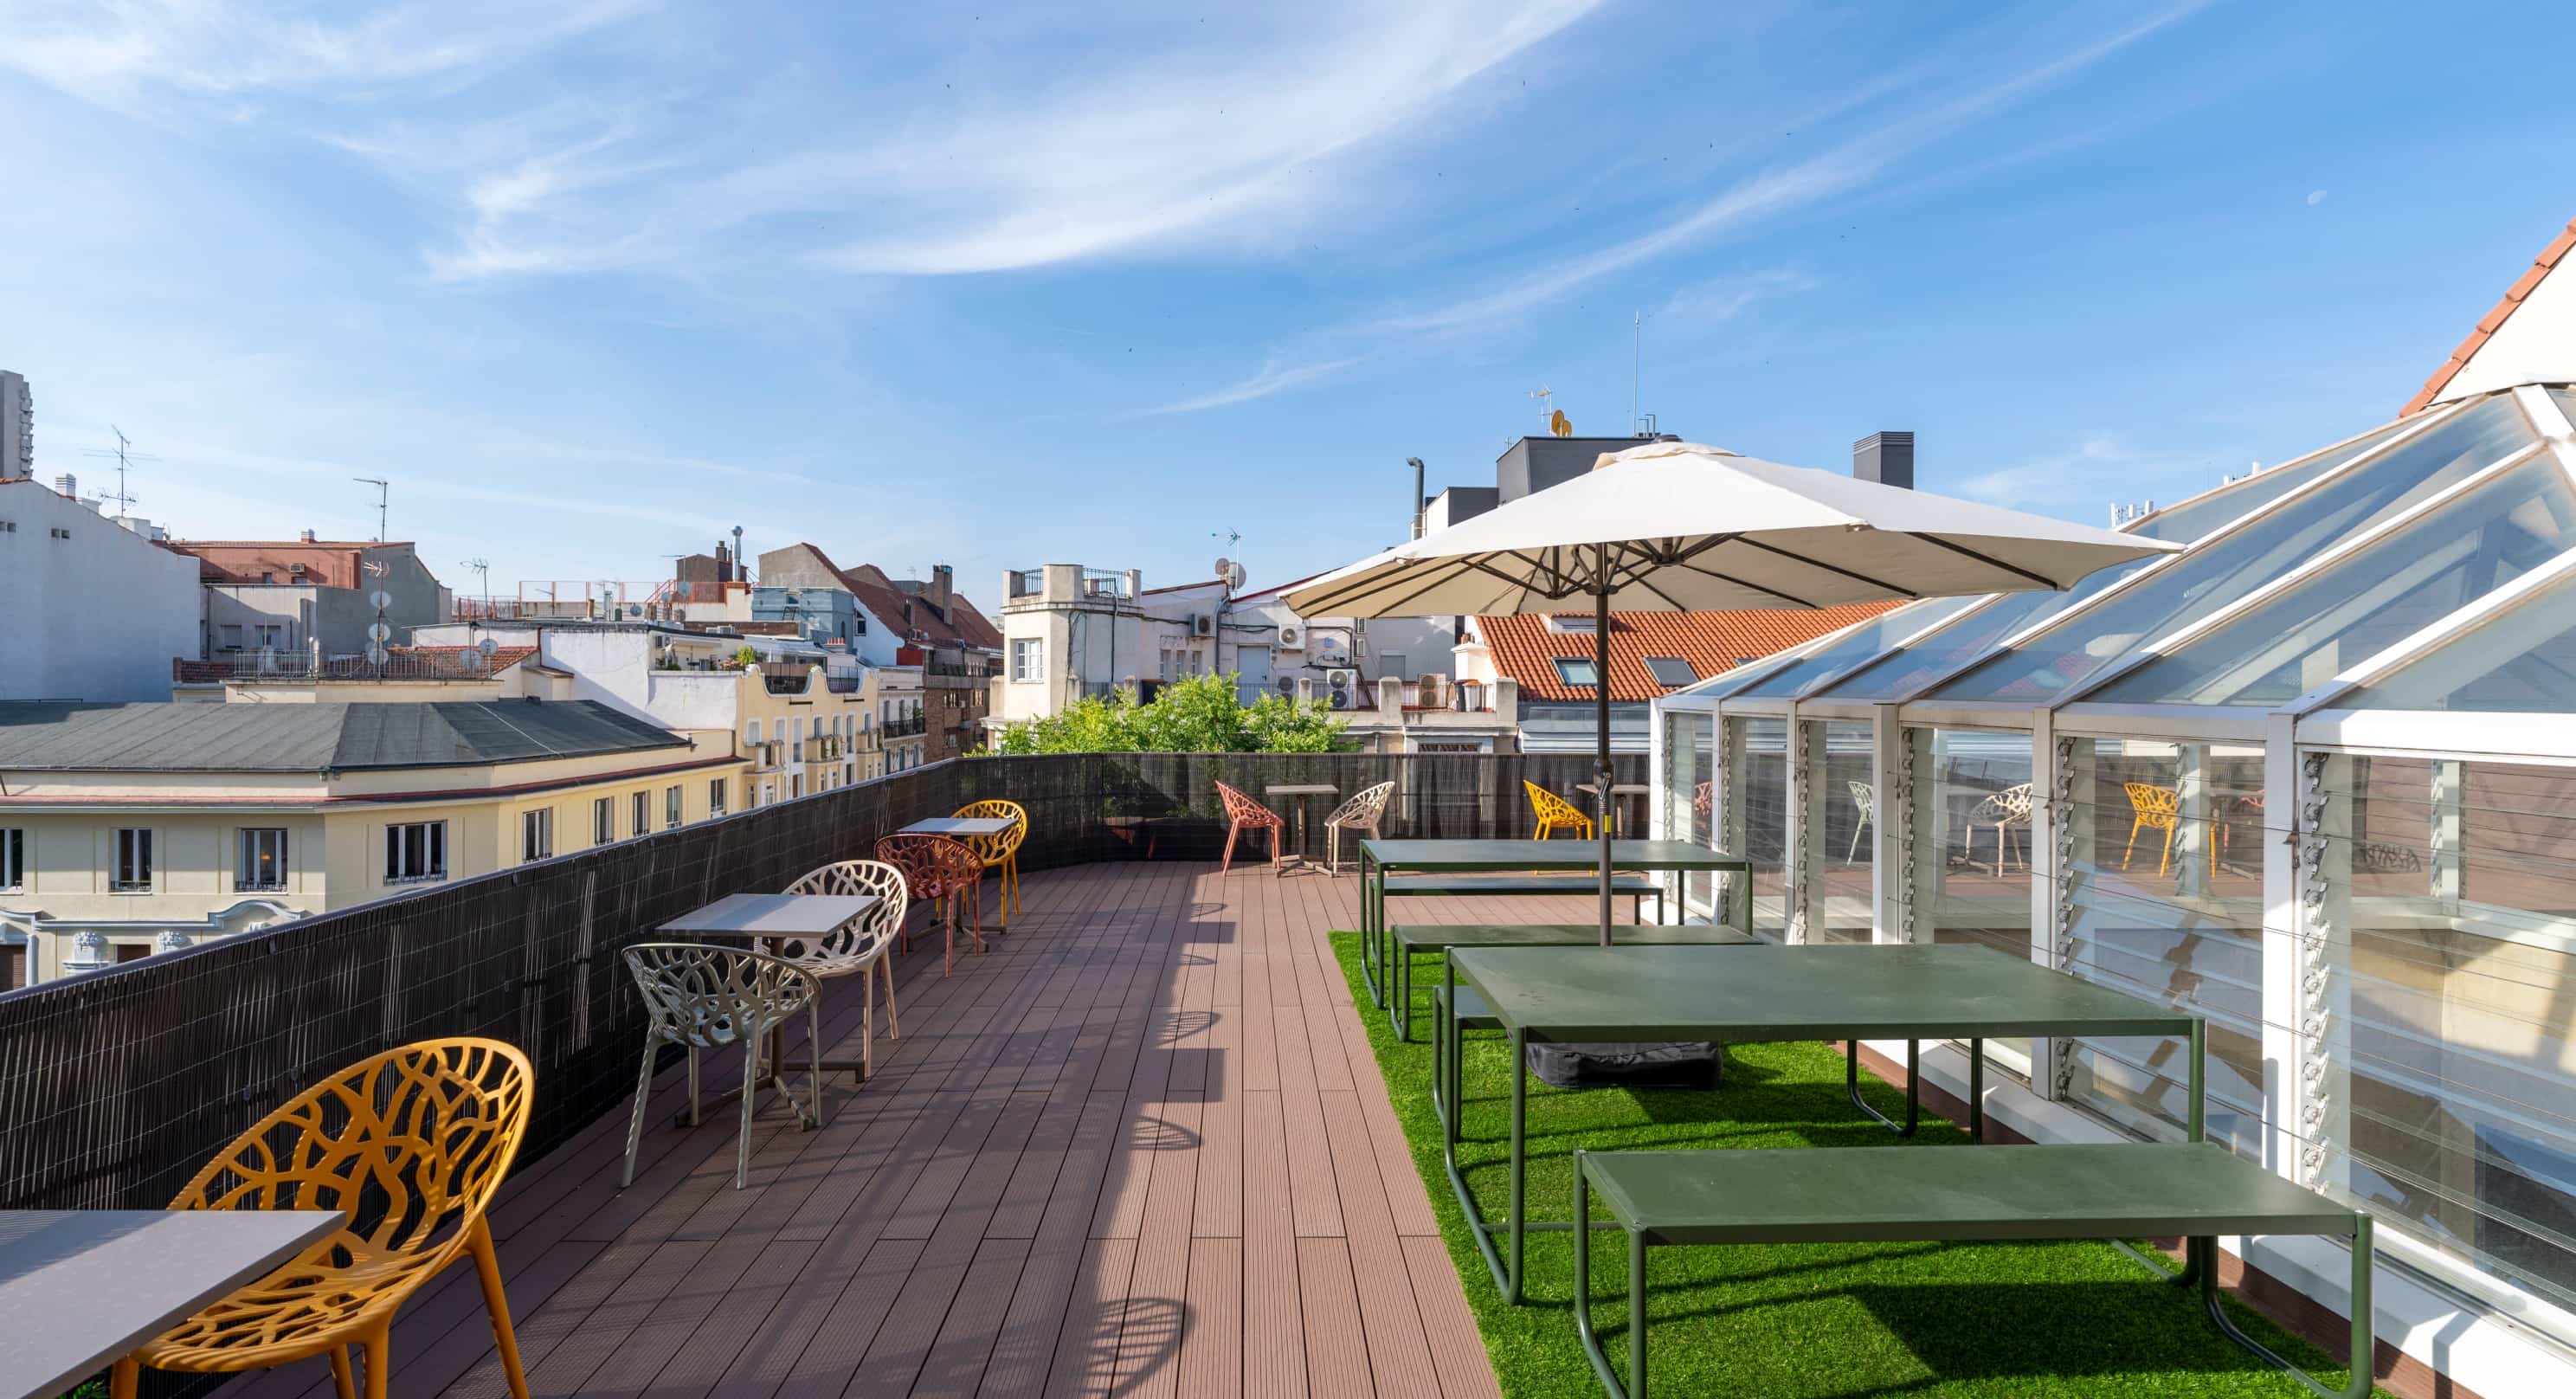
(383, 490)
(481, 568)
(124, 456)
(1229, 570)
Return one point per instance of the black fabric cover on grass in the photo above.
(1687, 1064)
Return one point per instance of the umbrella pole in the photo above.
(1601, 716)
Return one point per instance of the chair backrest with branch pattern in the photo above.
(858, 939)
(1242, 810)
(409, 1145)
(1552, 809)
(707, 997)
(933, 866)
(2011, 806)
(2156, 807)
(994, 849)
(1364, 809)
(1865, 797)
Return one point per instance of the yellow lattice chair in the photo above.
(1001, 852)
(1555, 813)
(2153, 808)
(410, 1146)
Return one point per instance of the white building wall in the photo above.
(95, 612)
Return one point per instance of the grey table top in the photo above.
(773, 915)
(1617, 789)
(1546, 855)
(82, 1287)
(1882, 1194)
(1301, 789)
(1431, 937)
(960, 826)
(1758, 995)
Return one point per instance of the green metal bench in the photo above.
(1889, 1194)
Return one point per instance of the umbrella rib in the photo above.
(1666, 598)
(1748, 586)
(1455, 566)
(1831, 568)
(2049, 583)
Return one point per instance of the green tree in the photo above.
(1197, 715)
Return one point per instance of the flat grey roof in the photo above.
(179, 737)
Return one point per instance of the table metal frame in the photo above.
(1926, 1007)
(1380, 858)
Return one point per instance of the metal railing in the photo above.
(905, 728)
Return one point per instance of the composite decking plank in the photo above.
(1337, 1361)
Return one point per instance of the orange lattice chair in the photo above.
(2153, 808)
(417, 1137)
(946, 874)
(1555, 813)
(1242, 814)
(1001, 852)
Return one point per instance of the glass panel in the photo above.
(2456, 888)
(1961, 641)
(2521, 662)
(1688, 795)
(1845, 910)
(1766, 821)
(2167, 863)
(2201, 514)
(1972, 847)
(1863, 642)
(2217, 573)
(2566, 402)
(2370, 601)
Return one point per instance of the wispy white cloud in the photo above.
(1273, 377)
(1720, 299)
(2117, 471)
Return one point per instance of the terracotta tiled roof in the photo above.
(964, 626)
(327, 563)
(2485, 329)
(1524, 649)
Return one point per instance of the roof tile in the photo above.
(2549, 258)
(1523, 648)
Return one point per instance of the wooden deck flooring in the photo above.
(1139, 1148)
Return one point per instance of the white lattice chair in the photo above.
(1865, 797)
(863, 946)
(1362, 812)
(2007, 811)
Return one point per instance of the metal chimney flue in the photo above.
(1416, 464)
(1886, 458)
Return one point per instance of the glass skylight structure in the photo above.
(2314, 777)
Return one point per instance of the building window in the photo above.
(260, 862)
(1028, 659)
(643, 813)
(769, 793)
(415, 852)
(603, 820)
(537, 834)
(1672, 672)
(1576, 672)
(671, 809)
(133, 872)
(272, 637)
(795, 785)
(1583, 622)
(232, 635)
(13, 859)
(716, 795)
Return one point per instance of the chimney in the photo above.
(307, 536)
(943, 586)
(1886, 458)
(724, 563)
(1417, 515)
(68, 484)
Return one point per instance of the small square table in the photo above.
(762, 917)
(1300, 791)
(1617, 790)
(960, 828)
(1908, 991)
(85, 1287)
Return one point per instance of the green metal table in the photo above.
(1411, 938)
(1380, 858)
(1636, 995)
(2111, 1191)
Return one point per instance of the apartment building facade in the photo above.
(131, 829)
(309, 596)
(61, 558)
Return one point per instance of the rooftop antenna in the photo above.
(1636, 368)
(482, 568)
(1546, 402)
(383, 491)
(1228, 571)
(124, 455)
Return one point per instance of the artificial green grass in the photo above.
(1793, 1322)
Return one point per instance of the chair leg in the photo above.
(487, 1269)
(635, 1120)
(1011, 871)
(123, 1377)
(2167, 860)
(1275, 833)
(1855, 845)
(2133, 843)
(814, 1053)
(894, 1025)
(1227, 862)
(343, 1383)
(379, 1348)
(693, 1085)
(750, 1095)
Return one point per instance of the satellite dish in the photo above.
(1233, 577)
(379, 633)
(1556, 423)
(380, 599)
(1222, 565)
(487, 646)
(377, 655)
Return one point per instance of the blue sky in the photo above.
(1005, 286)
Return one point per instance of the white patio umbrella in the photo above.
(1680, 527)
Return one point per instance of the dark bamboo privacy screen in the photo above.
(116, 1085)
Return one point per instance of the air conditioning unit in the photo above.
(295, 569)
(1342, 687)
(1202, 624)
(1290, 638)
(1328, 647)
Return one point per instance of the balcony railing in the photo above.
(905, 728)
(825, 748)
(116, 1085)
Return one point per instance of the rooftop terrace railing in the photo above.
(116, 1085)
